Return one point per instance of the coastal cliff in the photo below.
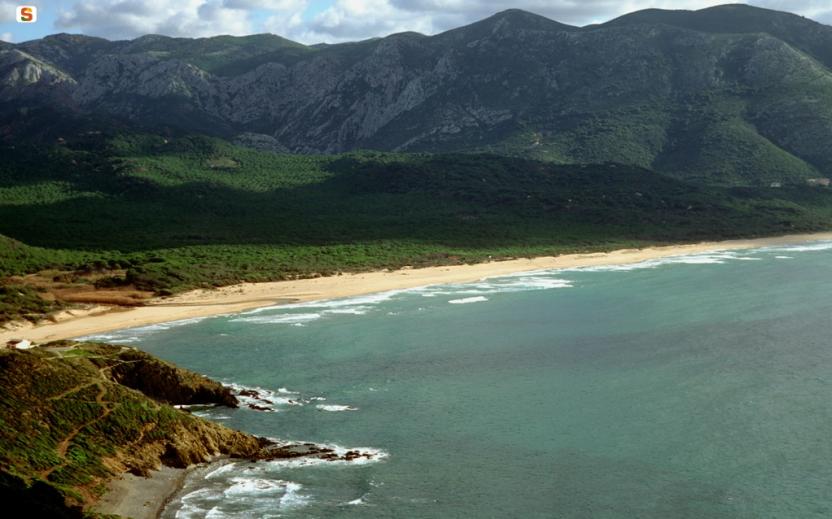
(73, 416)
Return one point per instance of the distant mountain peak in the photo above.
(720, 18)
(72, 38)
(510, 20)
(525, 19)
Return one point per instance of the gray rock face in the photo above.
(24, 76)
(641, 89)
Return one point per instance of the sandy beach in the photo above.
(140, 498)
(236, 298)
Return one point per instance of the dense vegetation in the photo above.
(67, 425)
(171, 214)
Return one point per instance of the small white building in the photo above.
(20, 344)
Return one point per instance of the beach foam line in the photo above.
(717, 257)
(278, 319)
(499, 285)
(131, 335)
(334, 305)
(334, 408)
(249, 296)
(468, 300)
(821, 246)
(364, 304)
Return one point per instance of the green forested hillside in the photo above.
(169, 214)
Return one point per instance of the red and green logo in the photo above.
(27, 14)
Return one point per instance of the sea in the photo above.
(694, 387)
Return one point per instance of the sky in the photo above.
(330, 21)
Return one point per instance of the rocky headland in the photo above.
(76, 416)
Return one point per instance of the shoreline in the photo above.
(247, 296)
(142, 498)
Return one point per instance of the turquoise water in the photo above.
(695, 387)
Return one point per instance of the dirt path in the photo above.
(63, 445)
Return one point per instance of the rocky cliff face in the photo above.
(75, 415)
(69, 424)
(165, 382)
(661, 89)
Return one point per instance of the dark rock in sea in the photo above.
(308, 450)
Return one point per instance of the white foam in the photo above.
(467, 300)
(359, 305)
(710, 258)
(784, 257)
(355, 310)
(223, 469)
(291, 497)
(329, 304)
(197, 494)
(335, 407)
(278, 319)
(114, 338)
(168, 325)
(498, 285)
(130, 335)
(253, 487)
(376, 455)
(825, 245)
(265, 397)
(210, 415)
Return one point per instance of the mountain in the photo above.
(731, 94)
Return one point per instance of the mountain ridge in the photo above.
(652, 89)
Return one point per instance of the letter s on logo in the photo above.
(27, 14)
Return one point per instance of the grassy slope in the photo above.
(200, 212)
(66, 427)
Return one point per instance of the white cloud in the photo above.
(348, 20)
(132, 18)
(7, 10)
(357, 19)
(270, 5)
(191, 18)
(7, 37)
